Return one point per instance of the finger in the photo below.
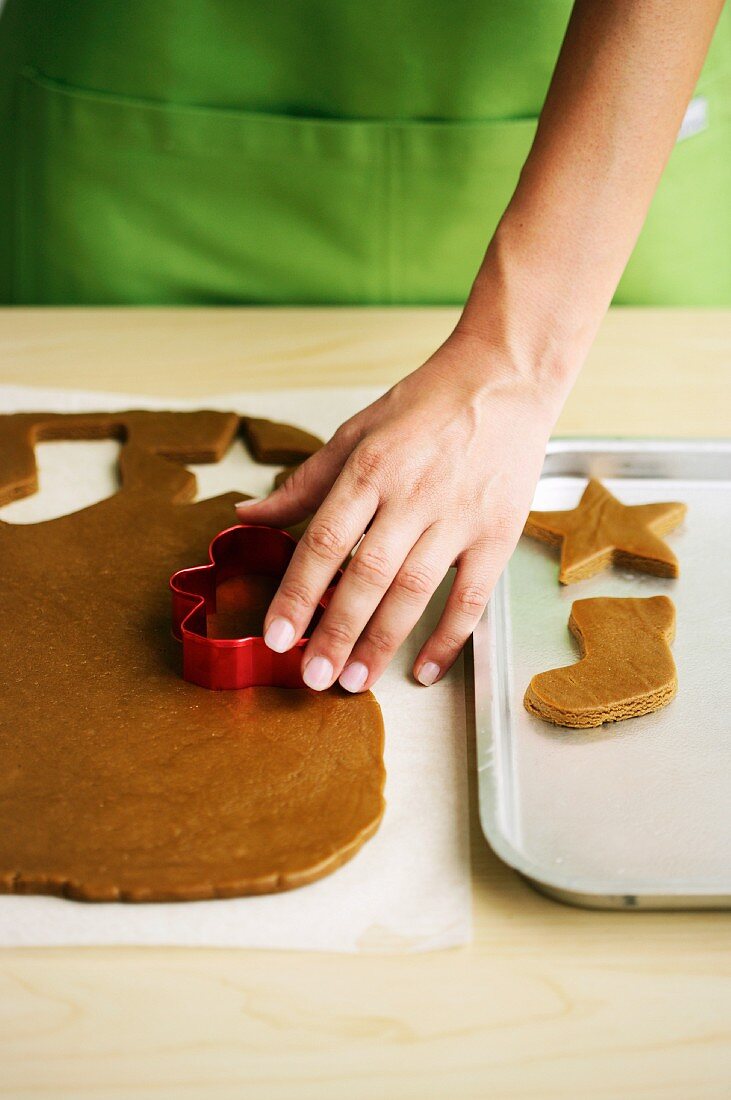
(477, 572)
(305, 489)
(402, 607)
(363, 586)
(330, 536)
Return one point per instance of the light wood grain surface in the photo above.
(548, 1001)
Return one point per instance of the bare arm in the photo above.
(443, 468)
(622, 83)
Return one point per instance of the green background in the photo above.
(233, 151)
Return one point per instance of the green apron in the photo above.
(304, 151)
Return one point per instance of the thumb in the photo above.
(303, 492)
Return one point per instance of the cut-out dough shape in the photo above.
(601, 531)
(119, 780)
(626, 667)
(278, 444)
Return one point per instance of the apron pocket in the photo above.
(127, 201)
(449, 184)
(124, 201)
(136, 202)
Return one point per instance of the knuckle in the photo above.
(336, 632)
(471, 599)
(296, 478)
(296, 594)
(371, 566)
(368, 467)
(415, 581)
(326, 540)
(450, 641)
(299, 477)
(381, 640)
(297, 486)
(346, 434)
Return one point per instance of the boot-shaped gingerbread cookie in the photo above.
(626, 667)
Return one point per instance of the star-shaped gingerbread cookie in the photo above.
(601, 531)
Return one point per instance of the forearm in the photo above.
(443, 467)
(623, 80)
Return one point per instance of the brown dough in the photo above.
(626, 668)
(119, 780)
(602, 530)
(278, 444)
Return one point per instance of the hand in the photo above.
(440, 470)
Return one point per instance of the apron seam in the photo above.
(20, 264)
(390, 219)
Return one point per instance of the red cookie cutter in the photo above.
(225, 663)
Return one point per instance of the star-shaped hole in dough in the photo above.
(602, 531)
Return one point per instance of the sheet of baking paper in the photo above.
(408, 889)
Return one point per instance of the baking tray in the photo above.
(634, 814)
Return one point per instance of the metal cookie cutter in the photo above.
(225, 663)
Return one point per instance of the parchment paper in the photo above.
(408, 889)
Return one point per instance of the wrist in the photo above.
(524, 317)
(489, 375)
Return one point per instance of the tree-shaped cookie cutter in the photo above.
(222, 664)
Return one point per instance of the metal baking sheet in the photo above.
(635, 814)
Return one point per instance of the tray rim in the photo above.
(582, 892)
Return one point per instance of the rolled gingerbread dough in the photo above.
(118, 779)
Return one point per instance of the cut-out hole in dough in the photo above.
(236, 471)
(72, 474)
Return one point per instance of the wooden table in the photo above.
(548, 1001)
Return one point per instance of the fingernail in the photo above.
(428, 673)
(353, 677)
(246, 503)
(279, 635)
(318, 673)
